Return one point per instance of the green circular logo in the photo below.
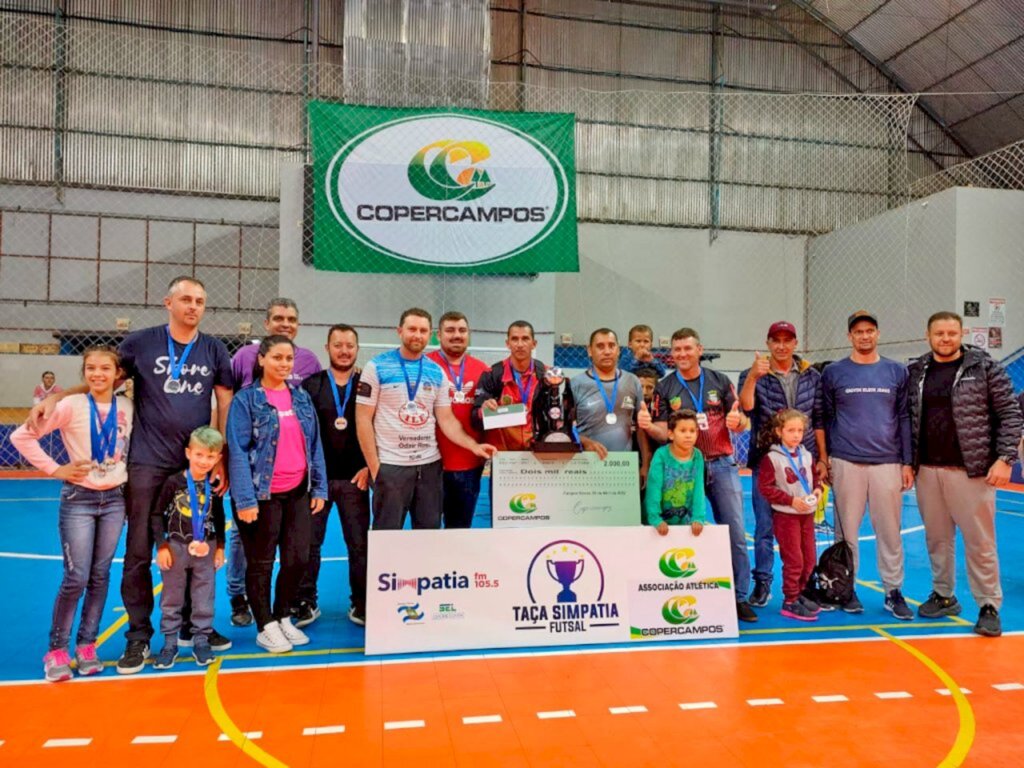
(677, 563)
(680, 610)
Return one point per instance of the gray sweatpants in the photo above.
(415, 490)
(949, 499)
(173, 595)
(880, 488)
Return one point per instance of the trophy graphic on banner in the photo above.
(552, 417)
(565, 572)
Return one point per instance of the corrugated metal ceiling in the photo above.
(967, 56)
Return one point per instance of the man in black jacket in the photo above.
(966, 432)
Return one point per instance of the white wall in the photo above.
(730, 290)
(990, 258)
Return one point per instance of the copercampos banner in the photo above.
(457, 191)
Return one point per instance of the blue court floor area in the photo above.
(30, 571)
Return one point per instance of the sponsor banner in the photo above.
(485, 588)
(574, 489)
(456, 191)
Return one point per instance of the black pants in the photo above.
(415, 490)
(141, 494)
(353, 507)
(284, 520)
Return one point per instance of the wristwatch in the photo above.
(1009, 460)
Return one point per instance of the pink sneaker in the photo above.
(87, 661)
(57, 666)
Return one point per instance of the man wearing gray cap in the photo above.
(867, 426)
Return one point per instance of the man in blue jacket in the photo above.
(966, 434)
(773, 383)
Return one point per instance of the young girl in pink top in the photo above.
(95, 427)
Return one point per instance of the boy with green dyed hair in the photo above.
(187, 518)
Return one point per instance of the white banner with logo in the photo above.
(531, 490)
(485, 588)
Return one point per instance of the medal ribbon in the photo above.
(409, 387)
(608, 403)
(340, 406)
(102, 434)
(456, 380)
(175, 366)
(198, 516)
(698, 401)
(796, 469)
(524, 393)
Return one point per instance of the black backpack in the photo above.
(832, 579)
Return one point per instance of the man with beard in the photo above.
(867, 425)
(347, 476)
(462, 468)
(402, 398)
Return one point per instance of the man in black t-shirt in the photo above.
(347, 475)
(966, 430)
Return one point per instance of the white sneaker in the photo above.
(272, 639)
(293, 634)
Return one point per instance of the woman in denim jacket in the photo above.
(278, 482)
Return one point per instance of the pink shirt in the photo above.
(71, 417)
(290, 459)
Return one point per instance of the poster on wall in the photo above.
(487, 588)
(979, 338)
(972, 308)
(995, 337)
(997, 313)
(443, 190)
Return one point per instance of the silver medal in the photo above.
(459, 397)
(702, 421)
(172, 386)
(340, 423)
(411, 407)
(811, 500)
(611, 418)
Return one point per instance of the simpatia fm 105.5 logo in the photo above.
(504, 190)
(565, 582)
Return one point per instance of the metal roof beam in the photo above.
(974, 63)
(946, 23)
(871, 13)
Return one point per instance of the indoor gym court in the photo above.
(849, 690)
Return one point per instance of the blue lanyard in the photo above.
(102, 434)
(608, 403)
(409, 387)
(698, 402)
(456, 380)
(175, 366)
(796, 469)
(340, 406)
(524, 394)
(198, 516)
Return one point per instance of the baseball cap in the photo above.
(860, 314)
(782, 327)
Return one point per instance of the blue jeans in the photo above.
(236, 563)
(764, 534)
(90, 524)
(461, 490)
(725, 496)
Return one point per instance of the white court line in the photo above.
(765, 702)
(154, 739)
(829, 699)
(556, 714)
(893, 695)
(698, 705)
(249, 736)
(1008, 687)
(39, 498)
(67, 743)
(323, 730)
(397, 725)
(28, 556)
(947, 692)
(481, 719)
(627, 710)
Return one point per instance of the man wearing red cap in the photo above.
(776, 381)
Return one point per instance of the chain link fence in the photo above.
(128, 156)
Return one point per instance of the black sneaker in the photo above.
(988, 624)
(305, 614)
(936, 605)
(744, 612)
(762, 594)
(134, 657)
(853, 605)
(241, 616)
(897, 606)
(357, 616)
(218, 642)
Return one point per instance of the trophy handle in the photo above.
(551, 571)
(582, 564)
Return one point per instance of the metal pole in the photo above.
(715, 126)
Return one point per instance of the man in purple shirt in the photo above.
(282, 320)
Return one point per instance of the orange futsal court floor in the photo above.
(848, 690)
